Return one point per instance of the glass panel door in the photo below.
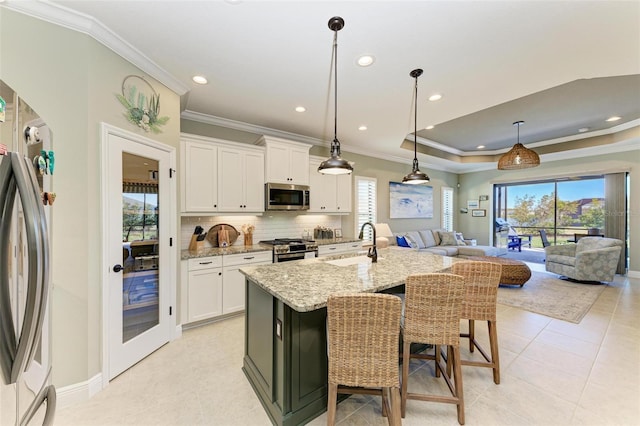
(141, 257)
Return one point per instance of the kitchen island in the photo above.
(285, 322)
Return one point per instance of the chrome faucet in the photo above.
(373, 252)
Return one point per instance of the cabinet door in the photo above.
(205, 294)
(278, 164)
(200, 177)
(233, 290)
(254, 182)
(322, 190)
(298, 166)
(231, 188)
(343, 193)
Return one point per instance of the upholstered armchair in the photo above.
(590, 259)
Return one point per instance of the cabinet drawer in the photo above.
(247, 258)
(205, 263)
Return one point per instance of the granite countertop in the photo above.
(305, 285)
(219, 251)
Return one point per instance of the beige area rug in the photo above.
(547, 295)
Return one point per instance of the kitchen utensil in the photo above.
(212, 235)
(201, 237)
(198, 230)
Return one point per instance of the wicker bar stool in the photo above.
(363, 337)
(433, 303)
(479, 304)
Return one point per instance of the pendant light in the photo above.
(518, 157)
(416, 177)
(335, 165)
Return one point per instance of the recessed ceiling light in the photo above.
(362, 128)
(366, 60)
(429, 127)
(614, 118)
(583, 129)
(480, 146)
(300, 109)
(199, 79)
(435, 97)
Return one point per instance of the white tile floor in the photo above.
(553, 373)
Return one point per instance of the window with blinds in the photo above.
(366, 205)
(447, 208)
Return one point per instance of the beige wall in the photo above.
(71, 81)
(481, 183)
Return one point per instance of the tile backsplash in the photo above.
(267, 227)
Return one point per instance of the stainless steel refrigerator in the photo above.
(25, 397)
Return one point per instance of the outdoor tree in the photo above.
(593, 217)
(523, 210)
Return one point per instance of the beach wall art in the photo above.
(410, 201)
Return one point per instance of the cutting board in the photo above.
(212, 235)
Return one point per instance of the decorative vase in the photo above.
(248, 239)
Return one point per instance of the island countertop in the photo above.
(305, 285)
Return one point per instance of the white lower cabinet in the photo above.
(339, 248)
(215, 285)
(233, 284)
(204, 289)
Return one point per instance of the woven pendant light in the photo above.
(518, 157)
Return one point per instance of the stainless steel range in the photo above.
(285, 249)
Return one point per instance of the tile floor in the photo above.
(553, 373)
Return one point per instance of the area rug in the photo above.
(547, 295)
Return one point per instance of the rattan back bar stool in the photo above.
(479, 304)
(363, 336)
(433, 303)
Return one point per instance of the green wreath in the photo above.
(142, 110)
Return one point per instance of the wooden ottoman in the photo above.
(514, 272)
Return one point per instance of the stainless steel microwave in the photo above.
(282, 196)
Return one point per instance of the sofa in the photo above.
(439, 241)
(590, 259)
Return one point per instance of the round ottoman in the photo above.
(514, 272)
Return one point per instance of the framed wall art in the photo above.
(473, 204)
(410, 201)
(478, 213)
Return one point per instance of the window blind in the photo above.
(447, 208)
(366, 205)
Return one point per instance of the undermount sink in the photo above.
(347, 261)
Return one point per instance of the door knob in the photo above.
(117, 268)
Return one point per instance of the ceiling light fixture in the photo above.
(518, 157)
(614, 118)
(429, 127)
(416, 177)
(480, 146)
(199, 79)
(366, 60)
(335, 165)
(363, 128)
(435, 97)
(300, 109)
(583, 129)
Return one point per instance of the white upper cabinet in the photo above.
(328, 193)
(286, 161)
(199, 176)
(221, 176)
(241, 186)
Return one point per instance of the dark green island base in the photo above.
(285, 357)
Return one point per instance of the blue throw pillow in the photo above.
(402, 242)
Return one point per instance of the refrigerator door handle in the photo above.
(8, 344)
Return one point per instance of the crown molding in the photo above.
(267, 131)
(67, 18)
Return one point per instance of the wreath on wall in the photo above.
(142, 104)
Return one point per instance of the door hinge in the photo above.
(170, 310)
(171, 242)
(171, 171)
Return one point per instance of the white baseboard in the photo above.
(633, 274)
(79, 392)
(178, 332)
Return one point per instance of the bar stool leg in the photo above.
(472, 335)
(406, 354)
(332, 400)
(495, 358)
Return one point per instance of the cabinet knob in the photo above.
(219, 273)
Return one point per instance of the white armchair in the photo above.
(590, 259)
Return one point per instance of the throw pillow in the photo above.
(415, 237)
(448, 239)
(460, 239)
(402, 241)
(427, 237)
